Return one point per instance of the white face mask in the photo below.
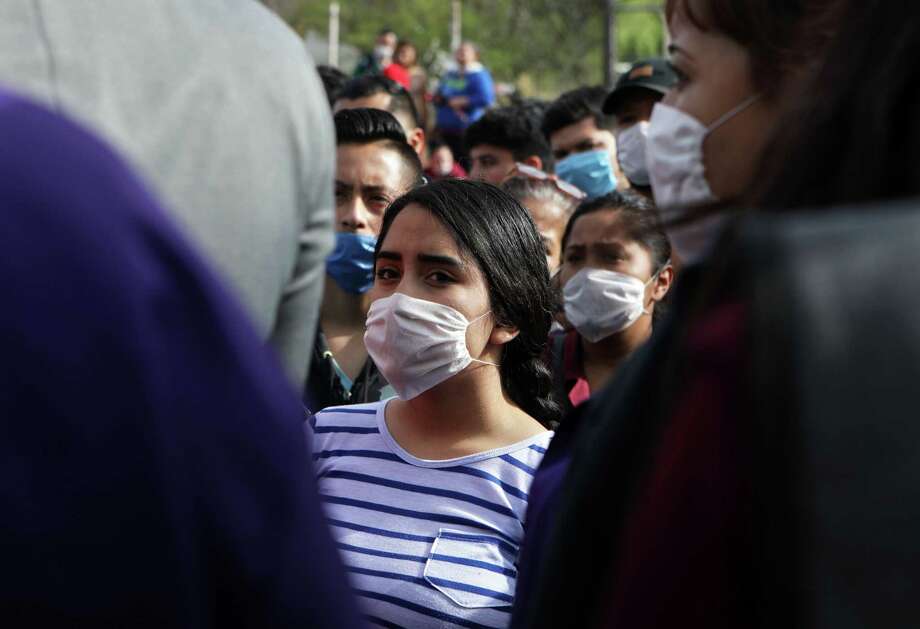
(674, 157)
(599, 302)
(631, 153)
(383, 53)
(417, 344)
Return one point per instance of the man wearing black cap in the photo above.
(631, 103)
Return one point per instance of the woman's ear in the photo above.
(503, 334)
(663, 284)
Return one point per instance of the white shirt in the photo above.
(425, 543)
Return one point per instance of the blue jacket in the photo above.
(476, 84)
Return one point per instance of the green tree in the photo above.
(542, 46)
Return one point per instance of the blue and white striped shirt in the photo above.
(425, 543)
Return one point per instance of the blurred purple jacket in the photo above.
(153, 465)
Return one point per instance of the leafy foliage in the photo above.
(542, 46)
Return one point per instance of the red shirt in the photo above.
(682, 554)
(398, 73)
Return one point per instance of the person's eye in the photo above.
(385, 273)
(340, 193)
(440, 277)
(573, 258)
(378, 201)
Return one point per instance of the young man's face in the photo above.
(368, 177)
(636, 107)
(490, 163)
(582, 137)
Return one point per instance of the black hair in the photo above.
(401, 102)
(515, 128)
(854, 136)
(333, 81)
(435, 142)
(576, 105)
(498, 234)
(365, 125)
(640, 219)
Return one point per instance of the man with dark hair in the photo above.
(333, 81)
(631, 103)
(502, 137)
(582, 141)
(379, 92)
(374, 166)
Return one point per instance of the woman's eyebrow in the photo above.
(390, 255)
(431, 258)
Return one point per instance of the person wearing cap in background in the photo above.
(631, 103)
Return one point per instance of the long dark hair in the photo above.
(495, 231)
(855, 138)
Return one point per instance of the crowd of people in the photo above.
(289, 346)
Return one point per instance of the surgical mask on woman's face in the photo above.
(600, 303)
(351, 263)
(631, 153)
(590, 172)
(417, 344)
(674, 157)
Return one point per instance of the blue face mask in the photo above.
(351, 264)
(591, 172)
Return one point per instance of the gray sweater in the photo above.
(218, 105)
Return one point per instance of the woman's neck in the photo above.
(466, 414)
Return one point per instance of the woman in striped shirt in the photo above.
(426, 493)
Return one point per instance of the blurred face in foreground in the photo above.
(714, 77)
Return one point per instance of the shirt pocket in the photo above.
(472, 570)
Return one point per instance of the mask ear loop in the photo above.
(731, 113)
(476, 360)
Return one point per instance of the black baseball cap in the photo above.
(650, 74)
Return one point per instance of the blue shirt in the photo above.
(476, 84)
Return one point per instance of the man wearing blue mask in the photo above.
(374, 166)
(583, 143)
